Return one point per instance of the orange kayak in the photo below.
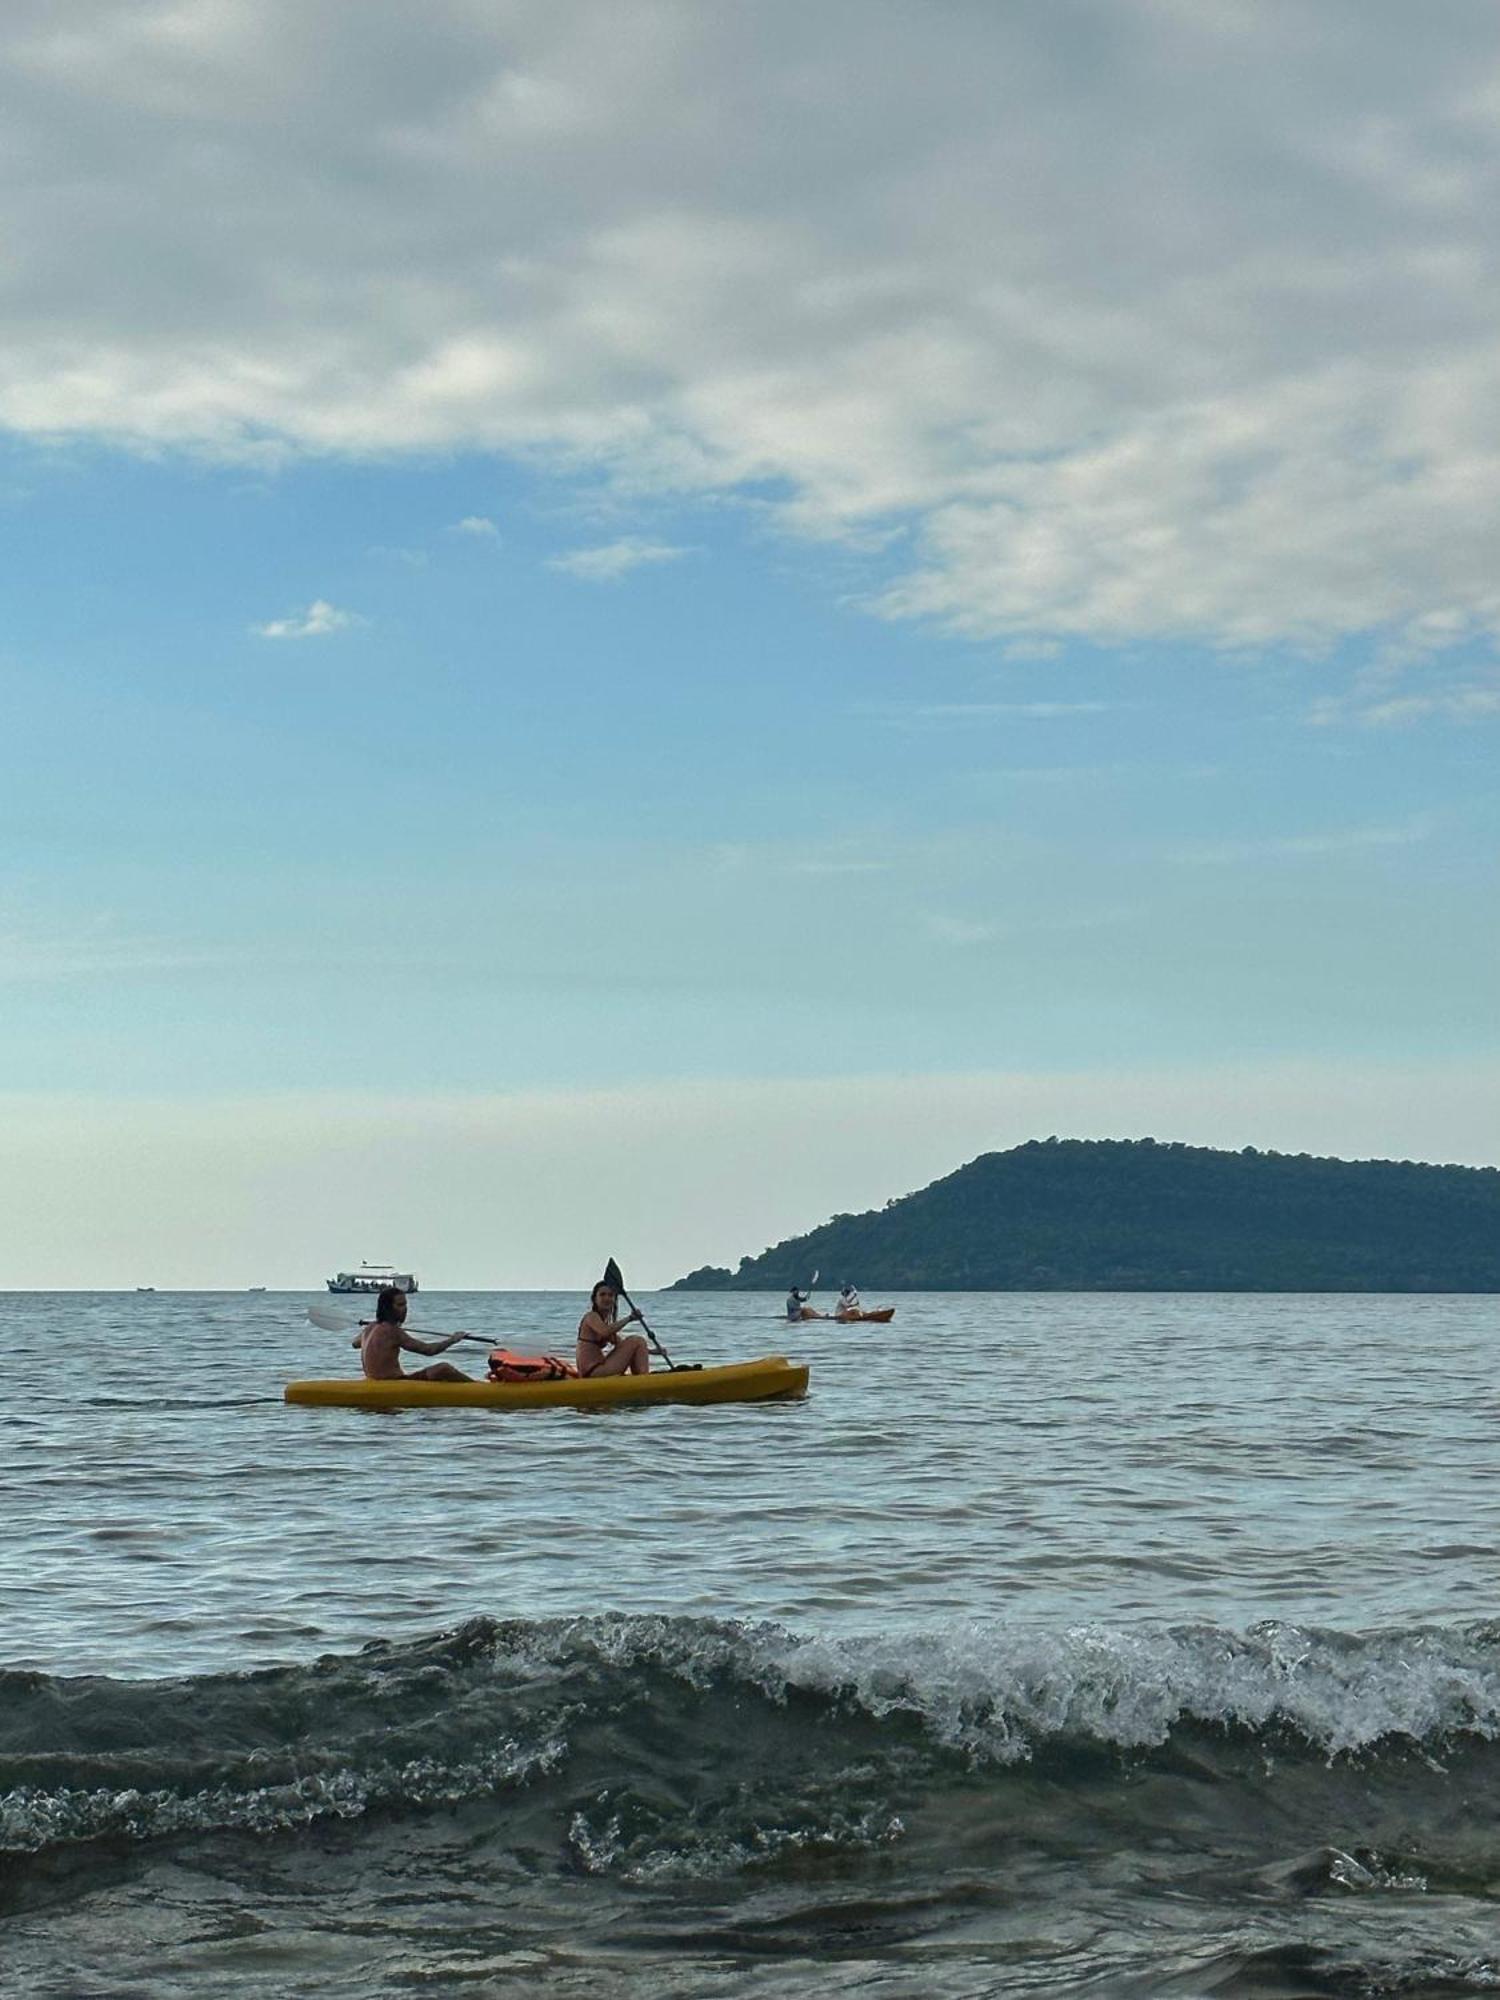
(880, 1316)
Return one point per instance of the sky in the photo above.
(627, 623)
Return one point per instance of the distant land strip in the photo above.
(1139, 1215)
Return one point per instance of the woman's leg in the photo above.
(441, 1371)
(628, 1356)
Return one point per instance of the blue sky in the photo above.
(531, 610)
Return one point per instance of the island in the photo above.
(1138, 1215)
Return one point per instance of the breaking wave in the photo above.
(650, 1747)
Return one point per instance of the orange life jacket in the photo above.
(508, 1367)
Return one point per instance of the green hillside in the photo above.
(1135, 1215)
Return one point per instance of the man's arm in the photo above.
(414, 1346)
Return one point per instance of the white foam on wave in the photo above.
(695, 1854)
(33, 1818)
(997, 1691)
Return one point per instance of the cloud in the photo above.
(773, 857)
(1383, 695)
(94, 950)
(1462, 704)
(612, 560)
(319, 619)
(1121, 320)
(1299, 846)
(912, 714)
(838, 864)
(960, 930)
(480, 526)
(1076, 774)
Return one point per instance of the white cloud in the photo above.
(962, 712)
(960, 930)
(838, 864)
(92, 950)
(316, 622)
(1463, 704)
(612, 560)
(480, 526)
(829, 857)
(1303, 846)
(1412, 683)
(1138, 319)
(1074, 774)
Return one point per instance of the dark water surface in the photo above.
(1054, 1645)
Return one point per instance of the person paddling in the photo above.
(604, 1348)
(382, 1340)
(848, 1306)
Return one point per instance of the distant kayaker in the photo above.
(383, 1340)
(795, 1303)
(604, 1348)
(848, 1306)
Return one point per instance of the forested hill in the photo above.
(1135, 1215)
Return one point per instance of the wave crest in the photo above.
(661, 1743)
(998, 1693)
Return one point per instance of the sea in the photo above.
(1055, 1644)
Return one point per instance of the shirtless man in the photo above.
(380, 1344)
(599, 1331)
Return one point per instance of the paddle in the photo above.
(616, 1283)
(337, 1322)
(802, 1298)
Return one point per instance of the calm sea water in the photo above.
(1055, 1644)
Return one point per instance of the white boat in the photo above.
(373, 1278)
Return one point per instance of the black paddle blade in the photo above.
(612, 1277)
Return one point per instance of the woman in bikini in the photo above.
(603, 1347)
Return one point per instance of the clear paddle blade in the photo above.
(329, 1320)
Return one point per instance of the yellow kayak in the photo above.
(740, 1382)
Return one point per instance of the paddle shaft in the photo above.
(612, 1277)
(646, 1329)
(340, 1323)
(431, 1333)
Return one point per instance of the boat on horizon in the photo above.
(373, 1278)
